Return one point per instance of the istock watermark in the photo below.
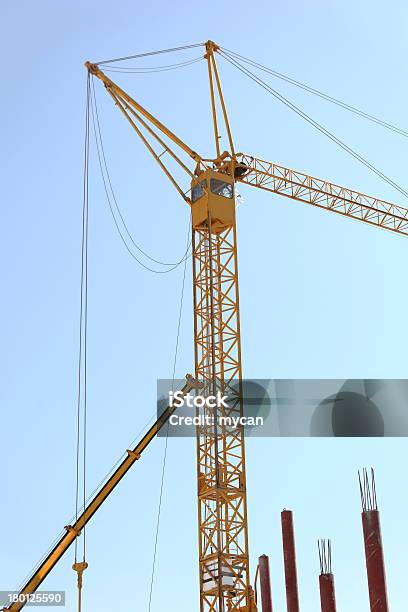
(177, 400)
(219, 410)
(287, 408)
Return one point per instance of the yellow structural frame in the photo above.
(221, 477)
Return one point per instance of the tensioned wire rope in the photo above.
(107, 183)
(149, 53)
(83, 334)
(313, 122)
(147, 70)
(156, 539)
(262, 67)
(316, 92)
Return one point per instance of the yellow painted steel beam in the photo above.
(222, 501)
(323, 194)
(73, 531)
(110, 85)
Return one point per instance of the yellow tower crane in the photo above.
(222, 505)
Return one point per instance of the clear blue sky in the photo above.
(321, 296)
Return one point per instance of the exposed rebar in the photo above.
(367, 490)
(325, 556)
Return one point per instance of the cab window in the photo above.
(221, 188)
(198, 190)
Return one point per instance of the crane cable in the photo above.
(314, 123)
(80, 566)
(131, 70)
(317, 92)
(149, 53)
(156, 538)
(107, 183)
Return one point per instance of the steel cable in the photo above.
(83, 325)
(150, 53)
(107, 182)
(130, 70)
(156, 539)
(314, 123)
(318, 93)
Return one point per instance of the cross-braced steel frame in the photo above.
(222, 507)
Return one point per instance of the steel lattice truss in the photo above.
(223, 541)
(323, 194)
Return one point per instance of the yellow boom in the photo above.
(73, 531)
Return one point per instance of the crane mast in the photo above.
(222, 505)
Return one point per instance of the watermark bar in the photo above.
(287, 408)
(39, 598)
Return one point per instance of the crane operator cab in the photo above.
(213, 201)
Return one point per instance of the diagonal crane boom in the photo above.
(74, 530)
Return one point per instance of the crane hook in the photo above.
(79, 568)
